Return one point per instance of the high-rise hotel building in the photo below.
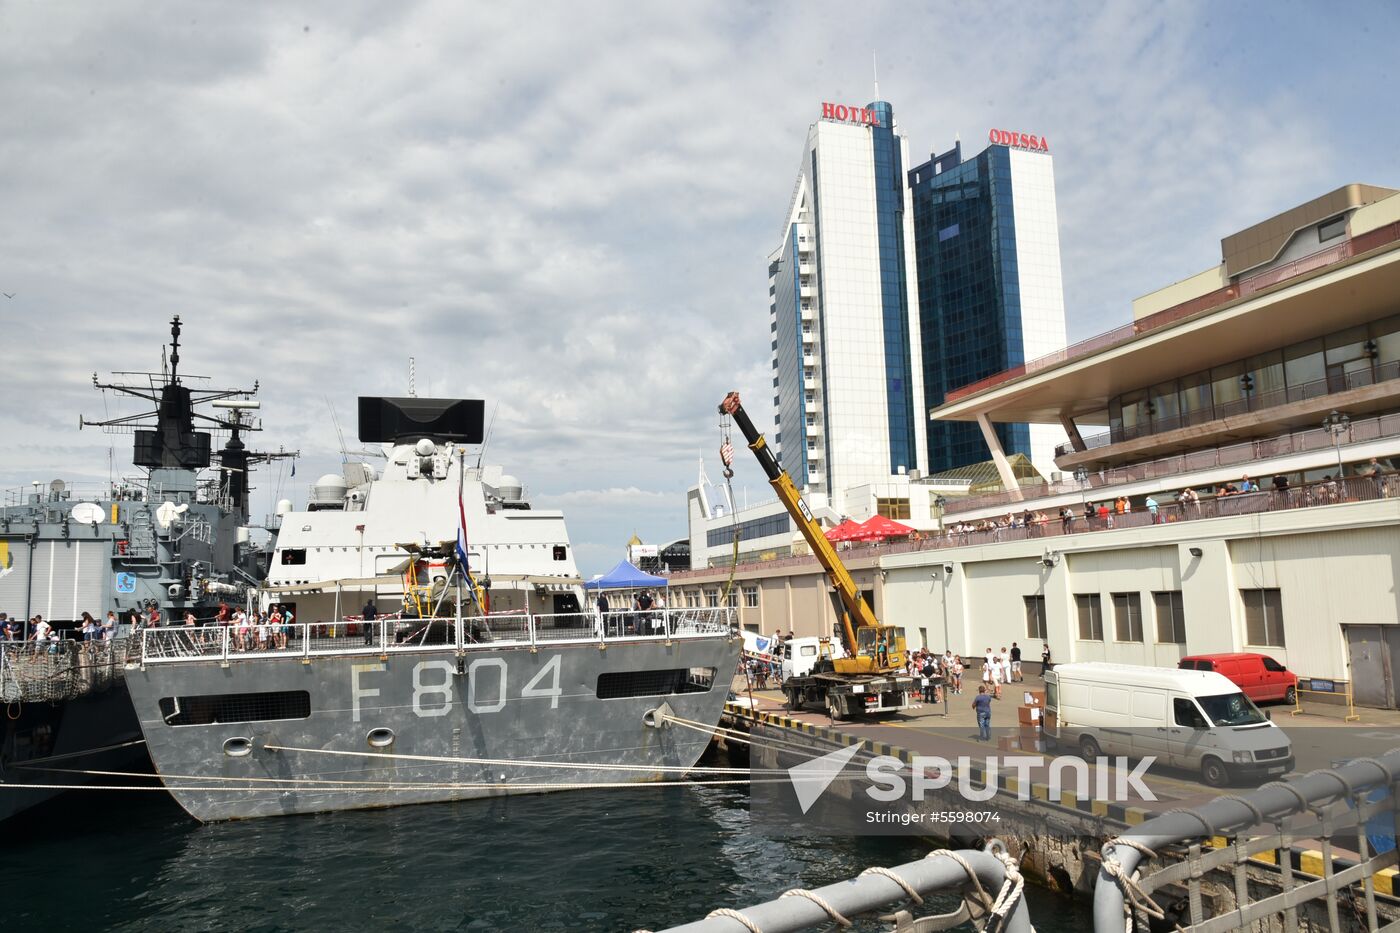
(986, 235)
(893, 286)
(847, 382)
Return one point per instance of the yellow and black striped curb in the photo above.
(1311, 862)
(1006, 783)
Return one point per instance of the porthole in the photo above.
(238, 747)
(380, 738)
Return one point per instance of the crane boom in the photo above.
(855, 605)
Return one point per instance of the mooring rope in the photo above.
(401, 788)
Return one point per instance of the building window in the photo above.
(1171, 622)
(1127, 617)
(750, 597)
(1331, 229)
(1090, 616)
(732, 599)
(893, 508)
(712, 598)
(1035, 617)
(692, 599)
(1263, 618)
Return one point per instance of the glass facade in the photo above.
(1335, 362)
(889, 225)
(969, 294)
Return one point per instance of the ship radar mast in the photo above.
(167, 442)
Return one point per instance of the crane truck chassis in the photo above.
(844, 696)
(870, 680)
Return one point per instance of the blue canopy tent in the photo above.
(625, 576)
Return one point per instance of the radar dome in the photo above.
(328, 492)
(283, 506)
(509, 488)
(425, 447)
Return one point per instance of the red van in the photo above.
(1259, 676)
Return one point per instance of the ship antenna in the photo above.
(344, 454)
(875, 69)
(174, 348)
(412, 379)
(487, 439)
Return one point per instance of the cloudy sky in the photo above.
(565, 208)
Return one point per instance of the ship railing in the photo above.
(355, 636)
(58, 670)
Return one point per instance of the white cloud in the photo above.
(566, 208)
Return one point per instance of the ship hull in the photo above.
(275, 736)
(51, 743)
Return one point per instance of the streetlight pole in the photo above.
(1336, 424)
(945, 572)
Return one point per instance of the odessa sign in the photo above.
(1019, 140)
(849, 114)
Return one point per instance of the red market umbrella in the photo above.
(878, 527)
(843, 531)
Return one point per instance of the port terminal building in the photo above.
(1268, 386)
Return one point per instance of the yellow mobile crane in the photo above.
(869, 679)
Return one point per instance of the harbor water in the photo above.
(589, 860)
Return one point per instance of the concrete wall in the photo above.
(1368, 218)
(1334, 566)
(1202, 283)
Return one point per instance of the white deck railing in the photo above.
(354, 636)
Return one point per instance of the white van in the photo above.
(1197, 720)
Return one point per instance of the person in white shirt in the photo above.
(41, 629)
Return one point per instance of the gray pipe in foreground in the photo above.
(871, 892)
(1222, 815)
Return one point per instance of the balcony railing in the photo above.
(1244, 287)
(1310, 495)
(1364, 429)
(1254, 401)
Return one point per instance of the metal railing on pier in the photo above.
(970, 873)
(352, 636)
(1333, 801)
(1238, 862)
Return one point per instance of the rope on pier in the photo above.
(732, 914)
(1134, 897)
(817, 899)
(744, 738)
(884, 872)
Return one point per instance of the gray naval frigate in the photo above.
(439, 649)
(172, 537)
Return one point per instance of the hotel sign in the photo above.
(1019, 140)
(850, 114)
